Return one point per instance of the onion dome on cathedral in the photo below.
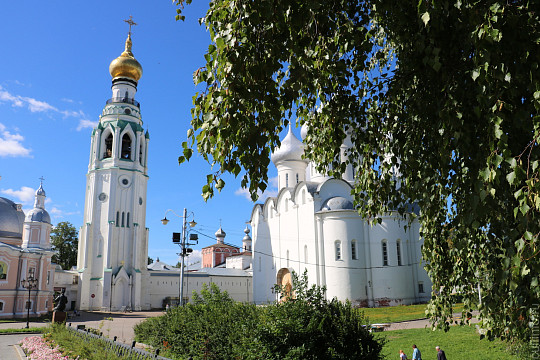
(220, 235)
(126, 66)
(290, 149)
(38, 213)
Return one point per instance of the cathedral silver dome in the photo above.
(38, 215)
(337, 203)
(11, 219)
(291, 149)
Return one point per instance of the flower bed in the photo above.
(38, 348)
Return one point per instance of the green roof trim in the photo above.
(96, 278)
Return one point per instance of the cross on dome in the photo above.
(130, 22)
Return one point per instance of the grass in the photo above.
(460, 343)
(24, 330)
(73, 345)
(399, 313)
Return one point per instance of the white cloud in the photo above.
(194, 257)
(11, 144)
(86, 124)
(67, 100)
(61, 213)
(25, 194)
(271, 191)
(37, 106)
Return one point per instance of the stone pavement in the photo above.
(7, 350)
(110, 324)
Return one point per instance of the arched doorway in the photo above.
(284, 279)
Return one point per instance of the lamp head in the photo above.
(165, 221)
(192, 223)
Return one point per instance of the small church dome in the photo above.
(220, 232)
(303, 131)
(291, 149)
(38, 215)
(11, 219)
(337, 203)
(126, 65)
(40, 191)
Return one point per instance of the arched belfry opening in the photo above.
(108, 146)
(126, 147)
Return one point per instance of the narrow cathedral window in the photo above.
(398, 248)
(338, 250)
(126, 147)
(108, 146)
(140, 154)
(353, 250)
(123, 218)
(117, 218)
(127, 220)
(297, 178)
(420, 287)
(385, 253)
(3, 271)
(286, 180)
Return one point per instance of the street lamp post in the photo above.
(182, 243)
(29, 284)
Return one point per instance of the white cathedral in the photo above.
(312, 225)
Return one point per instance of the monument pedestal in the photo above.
(59, 317)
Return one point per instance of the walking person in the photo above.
(416, 355)
(402, 355)
(440, 353)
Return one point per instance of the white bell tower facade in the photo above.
(113, 241)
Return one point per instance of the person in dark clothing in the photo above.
(440, 353)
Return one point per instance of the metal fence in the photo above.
(120, 349)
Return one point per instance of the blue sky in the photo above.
(54, 82)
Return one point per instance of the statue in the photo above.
(62, 301)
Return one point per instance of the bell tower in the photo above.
(113, 241)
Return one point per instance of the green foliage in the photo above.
(74, 346)
(216, 327)
(306, 326)
(23, 330)
(445, 94)
(150, 260)
(65, 241)
(213, 327)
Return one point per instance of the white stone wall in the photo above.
(164, 284)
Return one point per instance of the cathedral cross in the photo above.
(130, 22)
(41, 178)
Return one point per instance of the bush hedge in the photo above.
(302, 326)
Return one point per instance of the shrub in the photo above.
(210, 328)
(306, 326)
(303, 326)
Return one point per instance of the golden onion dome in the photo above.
(126, 65)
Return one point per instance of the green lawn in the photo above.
(398, 313)
(460, 343)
